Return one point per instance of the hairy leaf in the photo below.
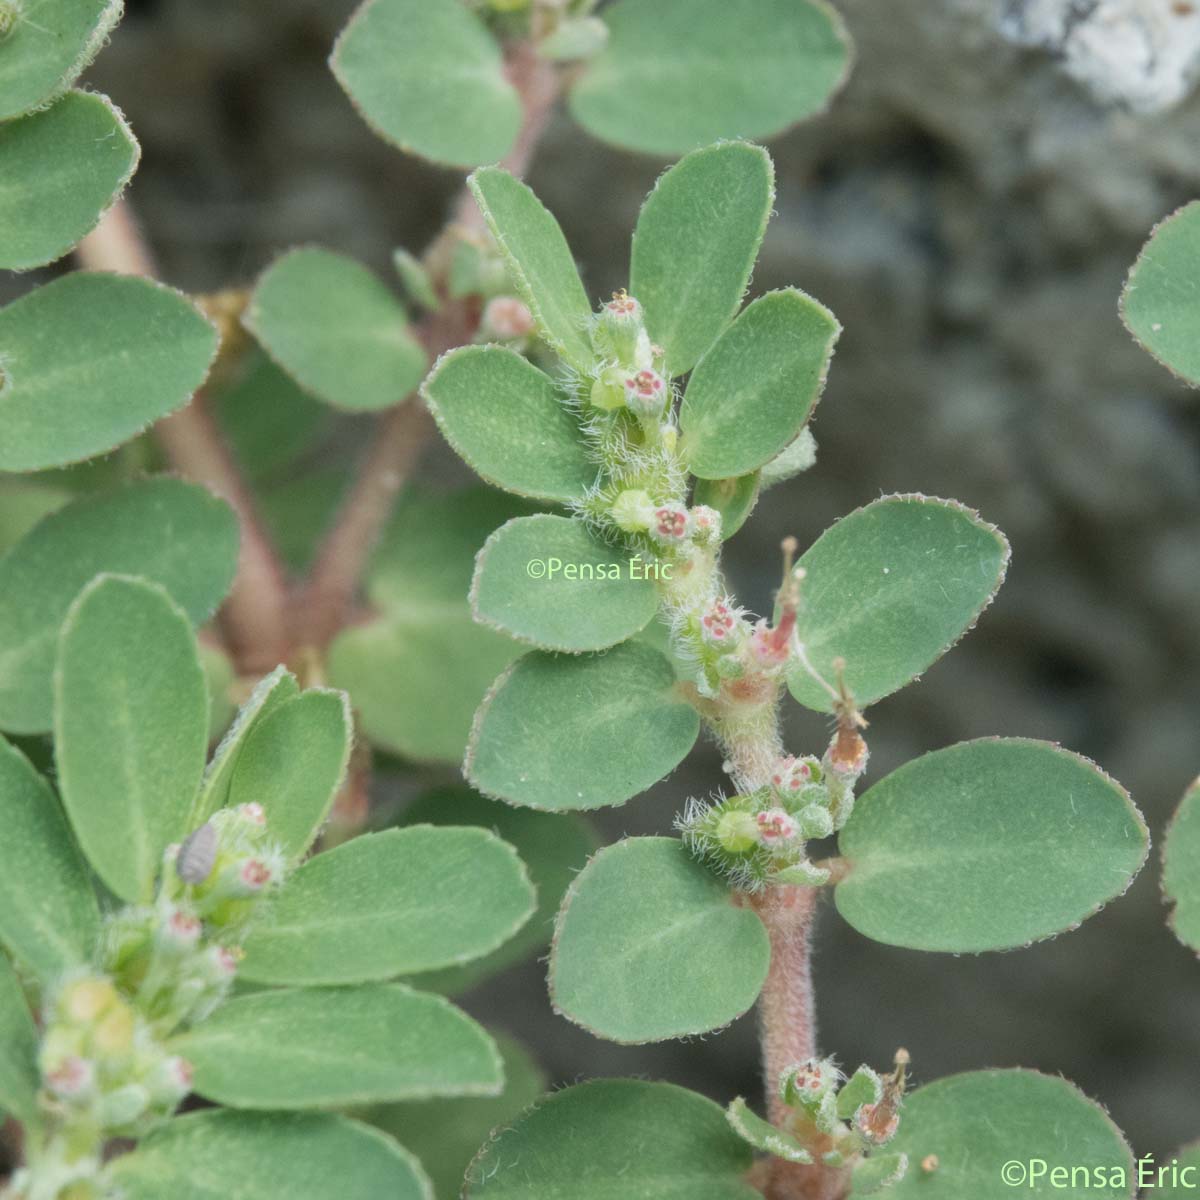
(615, 1139)
(987, 845)
(1181, 869)
(48, 48)
(889, 589)
(89, 361)
(49, 919)
(539, 260)
(333, 326)
(392, 903)
(548, 581)
(695, 244)
(1159, 305)
(762, 1135)
(130, 728)
(330, 1047)
(570, 733)
(978, 1123)
(678, 73)
(679, 958)
(262, 1156)
(428, 77)
(510, 422)
(59, 170)
(174, 533)
(19, 1079)
(292, 762)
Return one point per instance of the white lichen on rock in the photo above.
(1143, 54)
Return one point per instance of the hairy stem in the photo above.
(253, 618)
(326, 598)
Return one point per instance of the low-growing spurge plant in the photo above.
(200, 676)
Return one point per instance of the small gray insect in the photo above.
(197, 855)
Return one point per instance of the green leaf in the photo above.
(873, 1175)
(416, 280)
(679, 73)
(263, 1156)
(539, 261)
(270, 692)
(1159, 304)
(48, 48)
(418, 673)
(553, 846)
(568, 733)
(23, 503)
(615, 1139)
(269, 421)
(89, 361)
(19, 1079)
(391, 903)
(292, 762)
(734, 499)
(751, 393)
(679, 956)
(762, 1135)
(49, 919)
(1183, 1186)
(428, 77)
(987, 845)
(220, 677)
(695, 244)
(64, 167)
(333, 326)
(1181, 869)
(446, 1134)
(130, 728)
(550, 582)
(330, 1047)
(890, 589)
(173, 533)
(979, 1123)
(510, 422)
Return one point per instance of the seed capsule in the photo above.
(197, 855)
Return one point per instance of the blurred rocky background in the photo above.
(968, 208)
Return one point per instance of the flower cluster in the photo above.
(840, 1120)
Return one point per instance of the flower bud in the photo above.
(737, 831)
(645, 392)
(791, 775)
(253, 814)
(729, 666)
(123, 1106)
(620, 331)
(169, 1081)
(180, 931)
(507, 319)
(73, 1078)
(669, 436)
(706, 524)
(807, 1083)
(776, 827)
(670, 524)
(221, 964)
(815, 821)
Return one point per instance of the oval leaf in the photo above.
(539, 261)
(1181, 869)
(130, 728)
(510, 422)
(762, 1135)
(695, 244)
(679, 73)
(253, 1156)
(49, 918)
(331, 1047)
(92, 359)
(1159, 305)
(418, 673)
(889, 589)
(678, 956)
(615, 1137)
(979, 1123)
(987, 845)
(553, 846)
(19, 1075)
(391, 903)
(72, 160)
(571, 733)
(548, 581)
(734, 499)
(173, 533)
(331, 324)
(428, 77)
(293, 762)
(751, 393)
(48, 48)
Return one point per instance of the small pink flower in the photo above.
(255, 874)
(767, 648)
(706, 521)
(72, 1077)
(180, 1072)
(775, 826)
(670, 523)
(624, 305)
(183, 929)
(645, 391)
(508, 318)
(790, 775)
(254, 813)
(224, 961)
(718, 623)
